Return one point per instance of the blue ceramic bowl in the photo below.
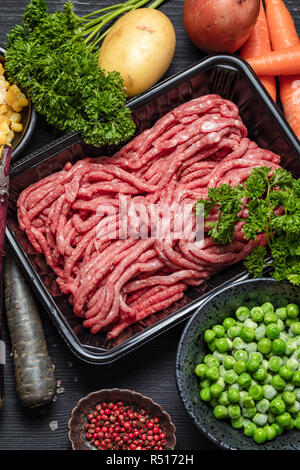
(192, 349)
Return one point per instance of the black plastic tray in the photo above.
(226, 75)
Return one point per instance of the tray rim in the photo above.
(106, 356)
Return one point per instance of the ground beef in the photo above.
(117, 279)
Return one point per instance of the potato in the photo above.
(140, 46)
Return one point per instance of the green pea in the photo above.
(211, 361)
(212, 373)
(263, 405)
(271, 433)
(275, 363)
(260, 374)
(256, 392)
(291, 425)
(297, 423)
(212, 345)
(237, 423)
(200, 370)
(295, 327)
(240, 367)
(277, 406)
(244, 380)
(272, 331)
(249, 429)
(257, 314)
(264, 346)
(204, 383)
(281, 313)
(205, 394)
(267, 307)
(233, 332)
(242, 313)
(238, 343)
(234, 395)
(240, 355)
(292, 310)
(260, 435)
(270, 317)
(222, 345)
(253, 365)
(278, 346)
(289, 322)
(229, 362)
(289, 397)
(249, 413)
(278, 382)
(296, 379)
(294, 408)
(216, 390)
(260, 419)
(220, 412)
(234, 411)
(286, 372)
(277, 428)
(256, 356)
(248, 402)
(247, 334)
(293, 363)
(228, 323)
(219, 331)
(223, 399)
(209, 336)
(230, 377)
(284, 419)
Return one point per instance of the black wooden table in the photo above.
(151, 369)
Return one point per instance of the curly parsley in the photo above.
(55, 56)
(273, 205)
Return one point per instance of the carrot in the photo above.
(281, 25)
(283, 34)
(258, 44)
(34, 375)
(280, 62)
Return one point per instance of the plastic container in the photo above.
(225, 75)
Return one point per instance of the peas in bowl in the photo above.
(238, 366)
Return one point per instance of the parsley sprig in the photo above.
(55, 57)
(272, 201)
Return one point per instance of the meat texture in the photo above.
(113, 277)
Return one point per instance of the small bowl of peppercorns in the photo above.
(114, 419)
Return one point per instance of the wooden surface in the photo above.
(150, 370)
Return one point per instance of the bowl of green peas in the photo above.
(238, 366)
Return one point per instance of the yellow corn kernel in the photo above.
(4, 119)
(17, 107)
(23, 101)
(7, 84)
(14, 117)
(12, 95)
(1, 69)
(4, 109)
(4, 127)
(10, 137)
(3, 138)
(16, 126)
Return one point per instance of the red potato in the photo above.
(219, 25)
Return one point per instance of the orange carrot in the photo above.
(258, 44)
(280, 62)
(283, 34)
(281, 25)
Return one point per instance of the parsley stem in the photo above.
(91, 28)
